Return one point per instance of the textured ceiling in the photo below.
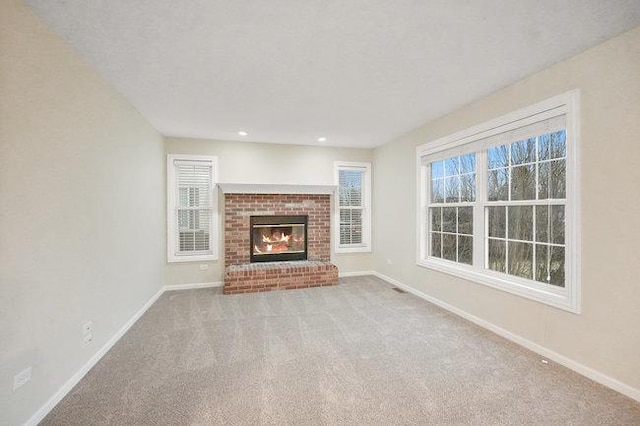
(359, 72)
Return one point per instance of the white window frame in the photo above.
(365, 246)
(172, 256)
(567, 298)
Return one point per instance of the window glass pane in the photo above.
(452, 189)
(468, 163)
(345, 234)
(449, 247)
(345, 216)
(523, 182)
(497, 221)
(465, 249)
(356, 226)
(193, 183)
(437, 169)
(523, 151)
(542, 224)
(350, 226)
(436, 218)
(449, 219)
(498, 156)
(436, 244)
(550, 264)
(558, 179)
(520, 223)
(201, 242)
(543, 147)
(557, 224)
(451, 166)
(468, 187)
(543, 254)
(520, 259)
(186, 241)
(557, 266)
(559, 144)
(544, 180)
(496, 257)
(350, 187)
(465, 220)
(437, 191)
(498, 185)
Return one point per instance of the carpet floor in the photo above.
(358, 353)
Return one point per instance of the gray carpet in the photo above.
(358, 353)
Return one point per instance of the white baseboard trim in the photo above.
(592, 374)
(192, 286)
(355, 274)
(69, 384)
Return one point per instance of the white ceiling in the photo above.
(359, 72)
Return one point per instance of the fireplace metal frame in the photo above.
(278, 220)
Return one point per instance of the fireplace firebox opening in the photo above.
(278, 238)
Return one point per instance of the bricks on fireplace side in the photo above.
(259, 277)
(239, 208)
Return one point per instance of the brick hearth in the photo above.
(241, 276)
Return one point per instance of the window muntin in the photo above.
(524, 215)
(192, 215)
(353, 207)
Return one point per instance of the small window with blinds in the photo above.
(192, 211)
(498, 203)
(353, 205)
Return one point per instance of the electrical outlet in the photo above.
(87, 339)
(204, 267)
(21, 378)
(87, 327)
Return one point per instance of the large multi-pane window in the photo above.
(353, 217)
(498, 203)
(191, 208)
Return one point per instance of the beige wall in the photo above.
(247, 162)
(605, 336)
(81, 211)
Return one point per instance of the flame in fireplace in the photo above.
(282, 239)
(275, 240)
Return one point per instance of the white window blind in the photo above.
(353, 218)
(191, 209)
(194, 208)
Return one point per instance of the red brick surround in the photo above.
(270, 276)
(240, 276)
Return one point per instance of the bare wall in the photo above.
(82, 211)
(605, 335)
(248, 162)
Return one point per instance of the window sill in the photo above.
(195, 258)
(559, 298)
(353, 249)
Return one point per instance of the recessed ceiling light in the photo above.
(242, 133)
(322, 139)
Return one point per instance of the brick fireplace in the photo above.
(242, 202)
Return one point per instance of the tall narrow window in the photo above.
(353, 216)
(498, 203)
(192, 211)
